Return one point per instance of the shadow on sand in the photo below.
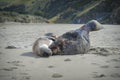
(30, 54)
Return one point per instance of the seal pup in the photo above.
(41, 46)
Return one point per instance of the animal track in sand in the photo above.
(115, 60)
(4, 75)
(24, 73)
(104, 51)
(117, 67)
(10, 47)
(57, 75)
(94, 63)
(115, 75)
(95, 72)
(50, 66)
(67, 59)
(14, 67)
(1, 53)
(99, 75)
(25, 77)
(9, 69)
(105, 66)
(16, 63)
(14, 78)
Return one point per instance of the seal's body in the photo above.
(72, 42)
(76, 41)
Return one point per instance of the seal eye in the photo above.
(51, 38)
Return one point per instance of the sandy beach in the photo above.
(102, 62)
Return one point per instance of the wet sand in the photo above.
(102, 62)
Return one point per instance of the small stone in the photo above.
(56, 75)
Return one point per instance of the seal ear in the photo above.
(52, 38)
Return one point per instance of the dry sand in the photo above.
(102, 62)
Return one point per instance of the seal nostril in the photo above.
(46, 54)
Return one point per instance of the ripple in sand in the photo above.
(14, 67)
(16, 63)
(67, 59)
(0, 52)
(115, 75)
(105, 66)
(99, 75)
(25, 77)
(13, 78)
(115, 60)
(24, 73)
(57, 75)
(9, 69)
(94, 63)
(102, 51)
(4, 75)
(117, 67)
